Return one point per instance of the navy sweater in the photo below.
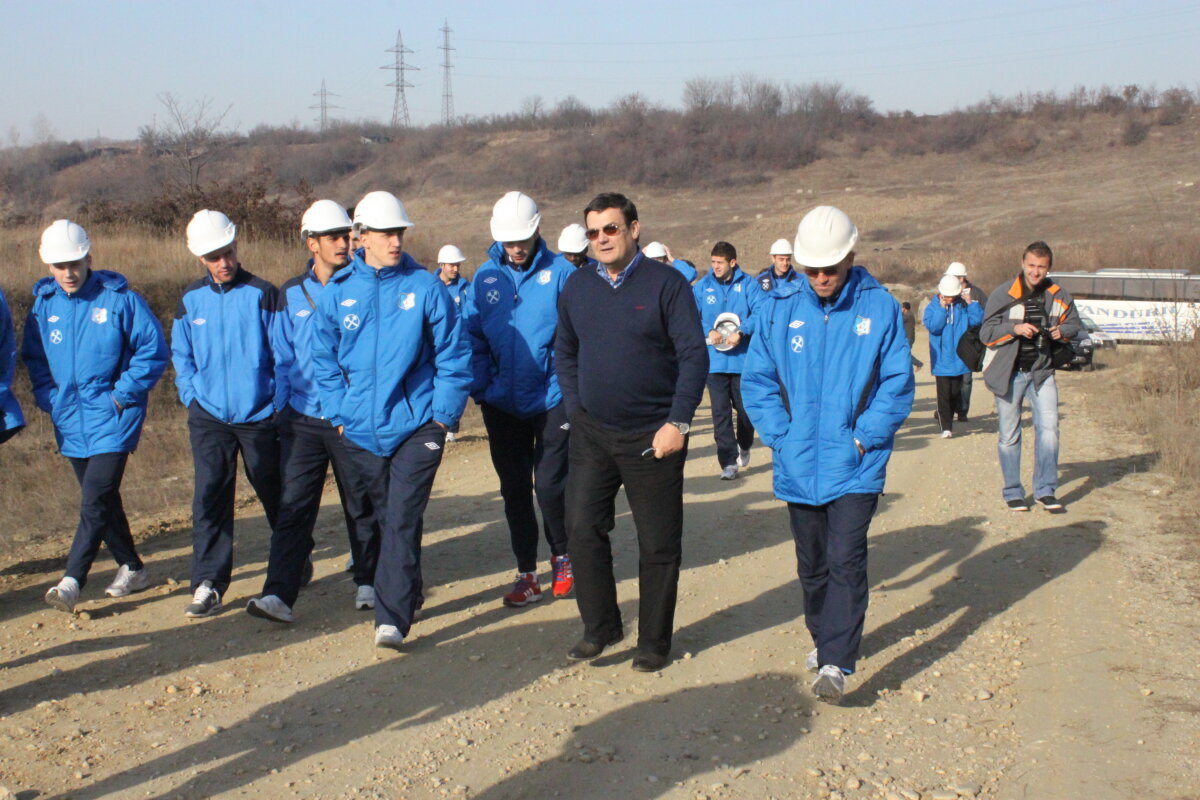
(634, 357)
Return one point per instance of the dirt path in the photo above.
(1007, 656)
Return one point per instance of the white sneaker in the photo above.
(64, 595)
(128, 581)
(729, 473)
(830, 684)
(743, 459)
(946, 434)
(270, 607)
(206, 601)
(451, 436)
(810, 662)
(364, 598)
(388, 636)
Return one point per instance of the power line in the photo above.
(400, 83)
(323, 105)
(447, 91)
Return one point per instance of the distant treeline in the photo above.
(727, 132)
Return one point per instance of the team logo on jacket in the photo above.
(406, 300)
(797, 343)
(199, 321)
(302, 313)
(711, 299)
(544, 277)
(55, 336)
(351, 322)
(53, 319)
(737, 288)
(796, 323)
(99, 315)
(493, 296)
(490, 279)
(349, 301)
(862, 325)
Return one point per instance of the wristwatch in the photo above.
(683, 427)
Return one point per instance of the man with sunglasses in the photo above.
(511, 323)
(827, 383)
(232, 383)
(309, 441)
(632, 366)
(392, 369)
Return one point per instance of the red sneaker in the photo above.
(524, 591)
(564, 577)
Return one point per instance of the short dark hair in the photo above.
(607, 200)
(1040, 249)
(907, 306)
(725, 250)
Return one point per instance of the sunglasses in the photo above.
(611, 229)
(813, 272)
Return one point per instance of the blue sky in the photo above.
(78, 69)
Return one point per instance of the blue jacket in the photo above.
(685, 269)
(946, 326)
(87, 352)
(10, 410)
(223, 346)
(737, 295)
(389, 354)
(818, 378)
(294, 347)
(512, 320)
(768, 280)
(458, 289)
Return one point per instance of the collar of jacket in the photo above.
(239, 277)
(357, 265)
(1017, 290)
(96, 279)
(542, 257)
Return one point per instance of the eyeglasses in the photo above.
(611, 229)
(813, 272)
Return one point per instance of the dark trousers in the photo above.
(215, 448)
(601, 462)
(831, 560)
(725, 395)
(949, 395)
(101, 515)
(964, 398)
(309, 445)
(399, 486)
(531, 455)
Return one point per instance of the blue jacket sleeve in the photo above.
(974, 314)
(148, 354)
(36, 364)
(327, 370)
(275, 317)
(892, 400)
(934, 318)
(182, 356)
(10, 410)
(762, 392)
(451, 357)
(481, 354)
(754, 301)
(566, 355)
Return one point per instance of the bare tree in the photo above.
(191, 138)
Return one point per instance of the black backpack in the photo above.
(971, 349)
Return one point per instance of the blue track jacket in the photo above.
(294, 348)
(685, 269)
(511, 323)
(458, 289)
(739, 295)
(768, 280)
(88, 351)
(389, 354)
(817, 378)
(946, 326)
(223, 346)
(10, 410)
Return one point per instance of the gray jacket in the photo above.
(997, 331)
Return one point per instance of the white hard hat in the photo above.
(515, 218)
(573, 239)
(449, 254)
(381, 211)
(782, 247)
(324, 216)
(64, 241)
(949, 286)
(654, 250)
(957, 269)
(824, 237)
(209, 231)
(726, 323)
